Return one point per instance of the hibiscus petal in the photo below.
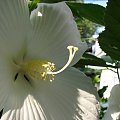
(33, 109)
(14, 95)
(71, 96)
(14, 26)
(12, 92)
(7, 72)
(54, 30)
(113, 112)
(30, 110)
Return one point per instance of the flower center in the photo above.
(37, 69)
(43, 69)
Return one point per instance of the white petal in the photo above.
(54, 30)
(113, 112)
(7, 73)
(71, 96)
(30, 110)
(12, 93)
(14, 26)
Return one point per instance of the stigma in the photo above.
(45, 70)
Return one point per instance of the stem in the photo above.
(118, 70)
(111, 70)
(118, 74)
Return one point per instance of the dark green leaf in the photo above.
(104, 100)
(88, 59)
(110, 39)
(101, 91)
(92, 12)
(107, 59)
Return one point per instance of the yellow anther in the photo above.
(37, 69)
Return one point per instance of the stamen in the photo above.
(42, 69)
(72, 51)
(38, 69)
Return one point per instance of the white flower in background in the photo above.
(110, 79)
(34, 85)
(113, 112)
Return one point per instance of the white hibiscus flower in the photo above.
(113, 112)
(33, 52)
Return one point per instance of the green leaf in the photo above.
(92, 12)
(109, 40)
(101, 91)
(96, 78)
(89, 59)
(107, 59)
(32, 4)
(104, 100)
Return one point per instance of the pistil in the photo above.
(45, 70)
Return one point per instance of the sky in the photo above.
(100, 2)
